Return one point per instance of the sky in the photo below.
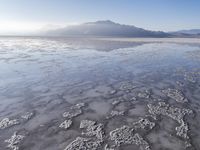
(23, 16)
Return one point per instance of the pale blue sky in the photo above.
(167, 15)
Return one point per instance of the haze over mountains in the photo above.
(107, 28)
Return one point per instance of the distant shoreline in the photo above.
(120, 39)
(157, 40)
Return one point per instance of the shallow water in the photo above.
(47, 77)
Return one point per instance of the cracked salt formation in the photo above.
(143, 123)
(92, 129)
(78, 106)
(175, 113)
(81, 143)
(116, 113)
(27, 116)
(125, 135)
(182, 130)
(89, 143)
(165, 109)
(6, 123)
(74, 111)
(176, 95)
(86, 123)
(14, 141)
(116, 102)
(66, 124)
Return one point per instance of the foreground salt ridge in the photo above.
(121, 136)
(175, 113)
(7, 123)
(14, 141)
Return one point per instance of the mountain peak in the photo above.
(108, 22)
(105, 22)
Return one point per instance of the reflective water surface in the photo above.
(77, 94)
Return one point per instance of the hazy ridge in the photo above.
(107, 28)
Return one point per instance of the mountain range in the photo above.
(192, 31)
(107, 28)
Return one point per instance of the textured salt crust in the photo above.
(74, 111)
(143, 123)
(116, 113)
(173, 112)
(86, 123)
(27, 116)
(116, 102)
(94, 133)
(78, 106)
(14, 141)
(66, 124)
(182, 130)
(125, 135)
(6, 122)
(92, 129)
(165, 109)
(176, 95)
(81, 143)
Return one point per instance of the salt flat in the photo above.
(67, 93)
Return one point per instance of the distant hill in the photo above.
(105, 28)
(192, 31)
